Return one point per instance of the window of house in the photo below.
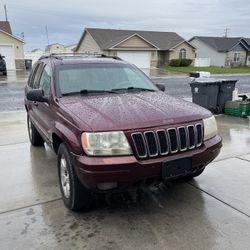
(236, 57)
(183, 54)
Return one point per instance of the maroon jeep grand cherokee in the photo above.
(112, 128)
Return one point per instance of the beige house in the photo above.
(55, 48)
(11, 47)
(34, 55)
(145, 49)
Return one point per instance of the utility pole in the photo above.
(47, 34)
(226, 32)
(5, 11)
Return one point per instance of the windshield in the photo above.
(100, 78)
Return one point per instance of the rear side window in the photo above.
(45, 79)
(32, 75)
(36, 76)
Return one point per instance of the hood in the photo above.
(128, 111)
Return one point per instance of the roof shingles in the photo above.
(221, 44)
(5, 26)
(107, 38)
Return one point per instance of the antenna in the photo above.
(226, 32)
(5, 11)
(22, 35)
(47, 33)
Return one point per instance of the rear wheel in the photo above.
(75, 195)
(35, 137)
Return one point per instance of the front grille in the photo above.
(139, 145)
(167, 141)
(163, 142)
(151, 143)
(183, 138)
(191, 136)
(173, 138)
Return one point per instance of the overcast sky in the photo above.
(66, 20)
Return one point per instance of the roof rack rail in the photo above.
(60, 56)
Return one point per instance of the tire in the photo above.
(5, 73)
(75, 196)
(35, 138)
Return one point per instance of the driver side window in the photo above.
(45, 81)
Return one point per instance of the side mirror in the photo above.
(160, 86)
(36, 95)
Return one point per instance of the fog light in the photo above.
(107, 185)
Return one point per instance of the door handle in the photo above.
(35, 103)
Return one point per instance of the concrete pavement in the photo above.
(210, 212)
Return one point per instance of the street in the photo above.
(12, 89)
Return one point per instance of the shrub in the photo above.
(175, 63)
(185, 62)
(180, 62)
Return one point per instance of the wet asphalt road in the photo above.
(12, 89)
(179, 87)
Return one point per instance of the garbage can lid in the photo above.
(228, 81)
(205, 81)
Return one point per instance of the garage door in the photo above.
(8, 52)
(140, 58)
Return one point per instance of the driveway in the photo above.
(210, 212)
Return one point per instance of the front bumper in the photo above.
(128, 170)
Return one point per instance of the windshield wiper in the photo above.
(88, 91)
(134, 89)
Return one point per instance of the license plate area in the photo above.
(175, 168)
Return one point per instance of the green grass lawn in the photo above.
(212, 70)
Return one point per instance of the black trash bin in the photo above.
(226, 88)
(28, 64)
(205, 93)
(194, 74)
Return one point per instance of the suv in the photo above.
(3, 65)
(112, 128)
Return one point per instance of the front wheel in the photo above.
(35, 137)
(75, 195)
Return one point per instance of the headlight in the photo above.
(210, 128)
(105, 143)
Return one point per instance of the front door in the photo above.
(43, 109)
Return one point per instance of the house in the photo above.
(34, 55)
(223, 51)
(247, 40)
(143, 48)
(70, 48)
(55, 48)
(11, 47)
